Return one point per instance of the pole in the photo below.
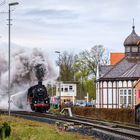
(87, 97)
(9, 47)
(9, 52)
(59, 83)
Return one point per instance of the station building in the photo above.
(68, 91)
(115, 82)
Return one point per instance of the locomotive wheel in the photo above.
(37, 109)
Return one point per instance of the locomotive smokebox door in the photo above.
(137, 114)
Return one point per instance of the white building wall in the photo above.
(114, 84)
(105, 96)
(125, 86)
(129, 84)
(66, 89)
(105, 84)
(101, 94)
(120, 84)
(109, 96)
(109, 84)
(114, 95)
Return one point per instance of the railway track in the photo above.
(126, 132)
(111, 124)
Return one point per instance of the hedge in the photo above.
(121, 115)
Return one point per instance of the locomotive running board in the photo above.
(67, 112)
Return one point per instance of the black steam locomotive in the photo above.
(38, 98)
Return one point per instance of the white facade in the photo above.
(115, 94)
(115, 82)
(67, 89)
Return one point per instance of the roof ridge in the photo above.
(136, 65)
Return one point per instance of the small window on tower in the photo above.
(135, 49)
(127, 49)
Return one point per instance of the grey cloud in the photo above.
(53, 13)
(105, 22)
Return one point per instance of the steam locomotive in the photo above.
(38, 98)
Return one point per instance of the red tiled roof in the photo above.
(115, 57)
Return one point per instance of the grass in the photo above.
(23, 129)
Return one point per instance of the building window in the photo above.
(134, 49)
(125, 92)
(121, 100)
(125, 100)
(66, 89)
(129, 100)
(121, 92)
(129, 92)
(70, 88)
(127, 49)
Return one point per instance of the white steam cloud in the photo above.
(22, 75)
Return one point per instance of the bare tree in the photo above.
(85, 66)
(66, 63)
(90, 59)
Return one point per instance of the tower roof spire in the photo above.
(133, 38)
(133, 26)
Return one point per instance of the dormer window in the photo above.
(134, 49)
(127, 49)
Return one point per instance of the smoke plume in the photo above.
(27, 67)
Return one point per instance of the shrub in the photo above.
(122, 115)
(5, 130)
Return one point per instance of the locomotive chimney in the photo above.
(39, 82)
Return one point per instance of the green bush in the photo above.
(5, 130)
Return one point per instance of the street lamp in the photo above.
(9, 50)
(59, 81)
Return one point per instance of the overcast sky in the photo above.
(71, 25)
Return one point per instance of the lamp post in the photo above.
(59, 81)
(9, 51)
